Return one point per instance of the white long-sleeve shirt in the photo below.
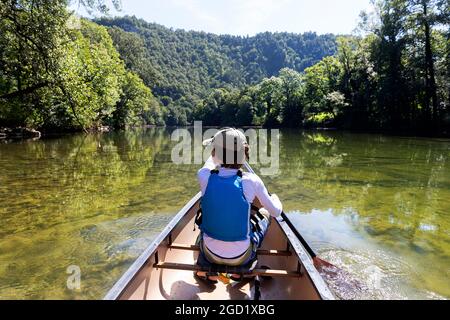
(253, 187)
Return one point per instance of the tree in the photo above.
(30, 50)
(319, 81)
(246, 111)
(271, 95)
(176, 116)
(393, 95)
(335, 103)
(90, 77)
(210, 110)
(57, 76)
(291, 87)
(137, 105)
(425, 15)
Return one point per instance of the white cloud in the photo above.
(198, 11)
(232, 16)
(252, 15)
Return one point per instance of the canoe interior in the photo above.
(143, 281)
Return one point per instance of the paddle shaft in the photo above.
(299, 236)
(290, 224)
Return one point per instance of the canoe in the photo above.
(165, 271)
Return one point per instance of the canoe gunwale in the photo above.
(306, 261)
(122, 284)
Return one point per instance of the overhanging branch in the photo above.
(25, 91)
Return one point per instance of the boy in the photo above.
(230, 234)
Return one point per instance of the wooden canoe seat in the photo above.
(274, 253)
(228, 269)
(225, 269)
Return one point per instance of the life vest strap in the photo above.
(239, 173)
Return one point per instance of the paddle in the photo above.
(318, 263)
(340, 278)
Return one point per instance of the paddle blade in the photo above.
(338, 278)
(320, 264)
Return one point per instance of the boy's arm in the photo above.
(269, 202)
(209, 164)
(205, 172)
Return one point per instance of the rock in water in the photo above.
(19, 133)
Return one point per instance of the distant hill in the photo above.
(183, 65)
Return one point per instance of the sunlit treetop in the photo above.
(101, 6)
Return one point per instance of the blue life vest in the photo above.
(225, 211)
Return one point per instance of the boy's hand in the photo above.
(277, 200)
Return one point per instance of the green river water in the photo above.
(377, 206)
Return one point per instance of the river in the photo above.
(376, 206)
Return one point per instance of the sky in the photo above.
(248, 17)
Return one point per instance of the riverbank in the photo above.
(23, 133)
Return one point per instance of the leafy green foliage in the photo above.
(137, 105)
(129, 72)
(276, 101)
(188, 65)
(54, 76)
(30, 47)
(395, 78)
(134, 53)
(91, 76)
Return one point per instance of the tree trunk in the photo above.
(431, 89)
(72, 106)
(448, 69)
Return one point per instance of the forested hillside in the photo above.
(392, 77)
(181, 67)
(58, 72)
